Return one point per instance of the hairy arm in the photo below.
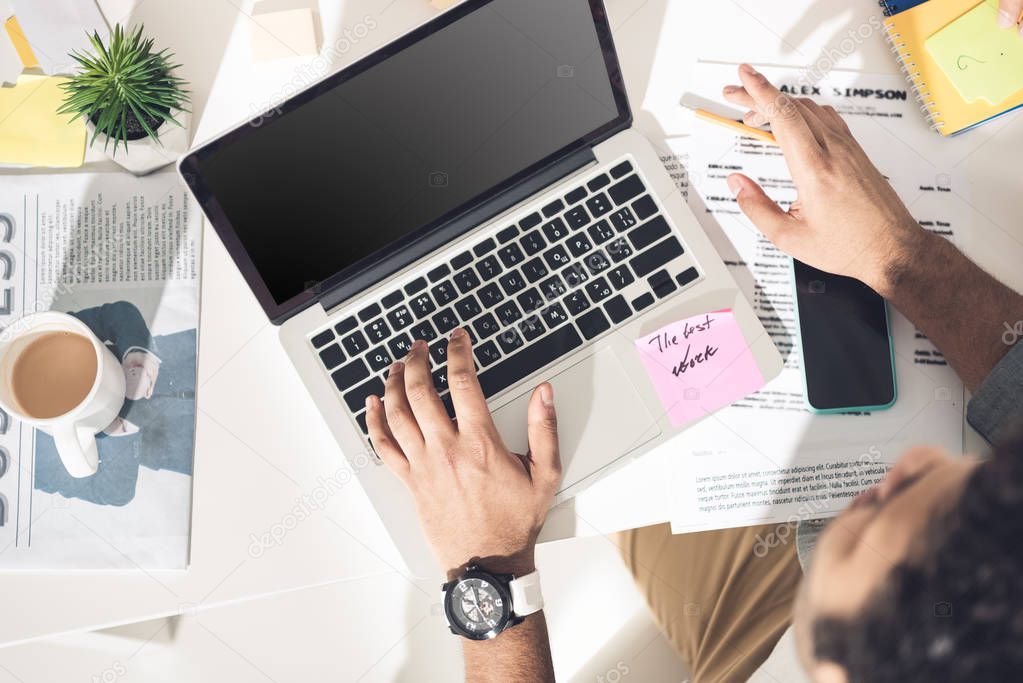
(522, 653)
(849, 221)
(962, 309)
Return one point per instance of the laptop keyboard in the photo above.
(534, 291)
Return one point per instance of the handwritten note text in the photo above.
(699, 364)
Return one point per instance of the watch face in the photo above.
(478, 607)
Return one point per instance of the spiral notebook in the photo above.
(951, 53)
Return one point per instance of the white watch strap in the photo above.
(526, 595)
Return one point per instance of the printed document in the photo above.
(766, 458)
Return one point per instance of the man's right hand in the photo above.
(1009, 12)
(847, 219)
(476, 499)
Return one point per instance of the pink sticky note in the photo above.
(699, 364)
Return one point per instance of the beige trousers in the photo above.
(722, 605)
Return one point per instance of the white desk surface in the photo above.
(261, 445)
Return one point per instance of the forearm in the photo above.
(960, 308)
(521, 653)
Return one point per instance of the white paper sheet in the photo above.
(767, 459)
(56, 27)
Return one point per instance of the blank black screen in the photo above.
(847, 356)
(411, 141)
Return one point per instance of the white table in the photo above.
(261, 444)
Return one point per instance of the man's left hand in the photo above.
(476, 499)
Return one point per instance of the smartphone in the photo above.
(846, 342)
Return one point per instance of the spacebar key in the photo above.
(533, 357)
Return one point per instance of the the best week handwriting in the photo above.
(666, 341)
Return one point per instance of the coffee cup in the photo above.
(58, 377)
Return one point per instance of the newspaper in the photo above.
(121, 254)
(766, 458)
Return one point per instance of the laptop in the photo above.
(480, 171)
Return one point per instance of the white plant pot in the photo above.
(146, 155)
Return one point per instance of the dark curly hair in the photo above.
(954, 613)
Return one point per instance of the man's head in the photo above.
(921, 578)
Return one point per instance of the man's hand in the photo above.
(1009, 12)
(140, 372)
(847, 219)
(476, 500)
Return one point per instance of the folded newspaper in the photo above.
(121, 254)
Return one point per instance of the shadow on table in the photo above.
(850, 21)
(637, 55)
(159, 631)
(636, 652)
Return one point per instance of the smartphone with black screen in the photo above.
(848, 359)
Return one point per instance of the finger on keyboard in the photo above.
(399, 415)
(422, 396)
(466, 395)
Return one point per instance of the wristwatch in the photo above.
(481, 604)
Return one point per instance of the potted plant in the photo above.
(129, 95)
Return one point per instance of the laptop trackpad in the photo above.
(601, 417)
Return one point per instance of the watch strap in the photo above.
(526, 595)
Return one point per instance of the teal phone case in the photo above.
(802, 368)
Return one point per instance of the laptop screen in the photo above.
(369, 160)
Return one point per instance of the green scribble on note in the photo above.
(983, 62)
(963, 63)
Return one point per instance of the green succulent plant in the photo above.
(123, 86)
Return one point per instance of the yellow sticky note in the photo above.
(17, 36)
(983, 61)
(31, 131)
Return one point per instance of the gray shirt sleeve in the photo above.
(997, 407)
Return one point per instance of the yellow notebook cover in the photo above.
(909, 33)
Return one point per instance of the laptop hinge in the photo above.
(535, 184)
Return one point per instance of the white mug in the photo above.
(74, 432)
